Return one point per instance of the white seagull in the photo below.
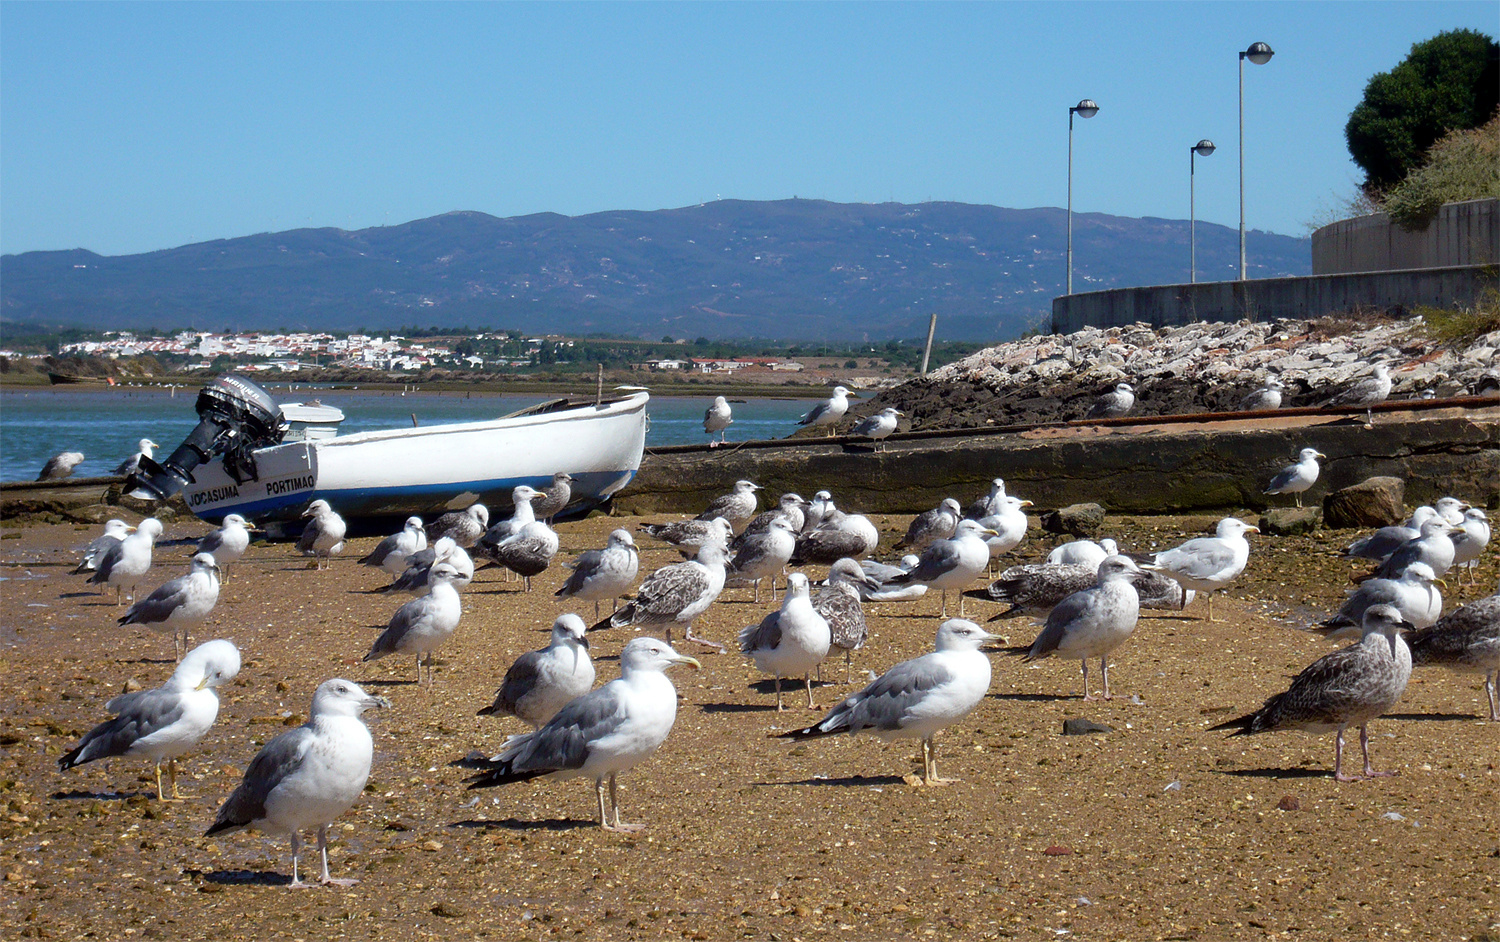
(1298, 477)
(952, 564)
(421, 626)
(123, 564)
(717, 418)
(390, 553)
(228, 543)
(144, 449)
(1093, 622)
(179, 604)
(1367, 392)
(604, 573)
(115, 530)
(793, 640)
(829, 411)
(1208, 562)
(878, 427)
(1264, 399)
(540, 683)
(323, 537)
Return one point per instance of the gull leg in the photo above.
(779, 707)
(160, 795)
(960, 603)
(1364, 745)
(172, 780)
(944, 612)
(297, 883)
(1491, 681)
(1338, 759)
(848, 658)
(929, 764)
(1299, 498)
(1104, 669)
(688, 635)
(1085, 662)
(325, 879)
(807, 682)
(599, 793)
(614, 803)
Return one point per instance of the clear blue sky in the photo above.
(130, 127)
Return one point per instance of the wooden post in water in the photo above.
(927, 350)
(599, 391)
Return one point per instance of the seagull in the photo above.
(1034, 589)
(879, 588)
(935, 524)
(527, 552)
(180, 603)
(738, 506)
(123, 564)
(918, 698)
(132, 464)
(762, 556)
(1093, 622)
(553, 499)
(603, 573)
(990, 505)
(1349, 687)
(878, 427)
(540, 683)
(829, 411)
(115, 530)
(1383, 542)
(463, 526)
(838, 535)
(675, 595)
(1113, 404)
(164, 723)
(1208, 562)
(390, 554)
(717, 418)
(690, 535)
(819, 507)
(1264, 399)
(788, 508)
(1296, 478)
(1367, 392)
(602, 733)
(1083, 553)
(323, 536)
(228, 543)
(1465, 639)
(1451, 509)
(308, 776)
(952, 564)
(1413, 593)
(421, 626)
(1434, 547)
(417, 576)
(838, 601)
(1473, 536)
(1008, 526)
(521, 497)
(790, 641)
(60, 466)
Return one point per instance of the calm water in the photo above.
(105, 425)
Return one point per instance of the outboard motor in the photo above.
(236, 417)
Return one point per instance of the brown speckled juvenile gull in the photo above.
(738, 506)
(1349, 687)
(838, 601)
(553, 499)
(935, 524)
(1466, 639)
(464, 527)
(675, 595)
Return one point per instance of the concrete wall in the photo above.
(1270, 298)
(1465, 233)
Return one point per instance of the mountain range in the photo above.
(783, 269)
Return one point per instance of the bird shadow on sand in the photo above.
(1037, 697)
(1279, 773)
(738, 707)
(102, 600)
(1440, 717)
(80, 795)
(847, 781)
(241, 877)
(388, 683)
(516, 824)
(146, 660)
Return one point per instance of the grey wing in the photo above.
(939, 558)
(817, 413)
(887, 702)
(382, 549)
(866, 425)
(1281, 480)
(1076, 609)
(309, 536)
(565, 741)
(585, 567)
(406, 616)
(211, 543)
(108, 561)
(276, 760)
(1197, 559)
(159, 605)
(880, 572)
(520, 680)
(826, 546)
(140, 715)
(765, 636)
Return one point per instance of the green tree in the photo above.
(1464, 165)
(1449, 82)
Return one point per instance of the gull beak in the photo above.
(1252, 529)
(990, 531)
(1027, 503)
(204, 682)
(1439, 581)
(380, 702)
(689, 661)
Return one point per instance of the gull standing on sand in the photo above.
(604, 573)
(228, 543)
(788, 508)
(952, 564)
(602, 733)
(1368, 392)
(1383, 542)
(323, 537)
(829, 411)
(918, 698)
(928, 526)
(1264, 399)
(540, 683)
(526, 553)
(464, 527)
(144, 449)
(1008, 527)
(1412, 593)
(1434, 547)
(878, 427)
(1113, 404)
(1473, 536)
(421, 626)
(1298, 477)
(179, 604)
(1208, 562)
(123, 564)
(989, 505)
(308, 776)
(675, 595)
(164, 723)
(554, 498)
(838, 535)
(738, 506)
(416, 578)
(1466, 639)
(502, 530)
(60, 466)
(763, 556)
(1093, 622)
(390, 553)
(115, 530)
(1349, 687)
(793, 640)
(690, 535)
(838, 601)
(717, 418)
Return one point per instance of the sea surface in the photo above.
(106, 424)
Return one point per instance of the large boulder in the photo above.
(1373, 502)
(1290, 521)
(1085, 520)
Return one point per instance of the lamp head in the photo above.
(1086, 108)
(1259, 53)
(1204, 147)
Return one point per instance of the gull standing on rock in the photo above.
(1368, 392)
(738, 506)
(179, 604)
(464, 527)
(1094, 622)
(144, 449)
(1264, 399)
(421, 626)
(1465, 639)
(554, 498)
(308, 776)
(323, 537)
(952, 564)
(1296, 478)
(390, 553)
(602, 733)
(918, 698)
(1349, 687)
(115, 530)
(540, 683)
(60, 466)
(164, 723)
(928, 526)
(878, 427)
(603, 573)
(829, 411)
(228, 543)
(793, 640)
(1113, 404)
(716, 419)
(1208, 562)
(675, 595)
(123, 564)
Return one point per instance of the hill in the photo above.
(804, 269)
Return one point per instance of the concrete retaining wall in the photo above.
(1465, 233)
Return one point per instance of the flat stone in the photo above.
(1373, 502)
(1078, 726)
(1085, 520)
(1290, 521)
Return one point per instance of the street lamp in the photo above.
(1084, 109)
(1201, 149)
(1260, 54)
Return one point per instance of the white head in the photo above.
(1382, 372)
(443, 572)
(1109, 546)
(235, 520)
(317, 508)
(745, 487)
(796, 586)
(116, 528)
(651, 654)
(959, 634)
(822, 497)
(210, 664)
(1476, 513)
(339, 697)
(1117, 569)
(1386, 620)
(725, 531)
(569, 631)
(205, 562)
(952, 506)
(150, 526)
(849, 571)
(413, 523)
(840, 392)
(782, 523)
(622, 538)
(1274, 382)
(1231, 527)
(1124, 388)
(997, 487)
(1310, 454)
(1418, 572)
(712, 553)
(145, 446)
(479, 512)
(968, 528)
(523, 495)
(720, 402)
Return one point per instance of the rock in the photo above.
(1056, 851)
(1290, 521)
(1085, 520)
(1077, 726)
(1288, 803)
(1373, 502)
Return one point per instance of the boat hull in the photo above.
(371, 476)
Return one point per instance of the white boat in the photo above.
(429, 470)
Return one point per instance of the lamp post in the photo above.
(1201, 149)
(1084, 109)
(1260, 54)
